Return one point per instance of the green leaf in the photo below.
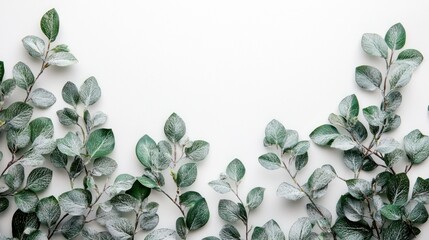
(337, 120)
(198, 215)
(32, 159)
(189, 199)
(18, 138)
(235, 170)
(198, 150)
(368, 78)
(1, 70)
(76, 167)
(50, 24)
(272, 231)
(400, 74)
(58, 159)
(255, 197)
(343, 142)
(229, 211)
(290, 192)
(100, 143)
(395, 37)
(181, 228)
(26, 200)
(7, 86)
(211, 238)
(99, 119)
(301, 161)
(416, 146)
(393, 157)
(397, 189)
(42, 98)
(300, 148)
(300, 229)
(70, 94)
(48, 211)
(37, 235)
(350, 207)
(410, 56)
(90, 92)
(275, 134)
(23, 76)
(15, 177)
(421, 190)
(174, 128)
(148, 182)
(392, 101)
(320, 178)
(149, 221)
(374, 45)
(397, 230)
(349, 107)
(17, 115)
(68, 116)
(73, 227)
(392, 122)
(229, 232)
(60, 48)
(61, 59)
(270, 161)
(386, 145)
(35, 46)
(391, 212)
(41, 126)
(39, 179)
(42, 145)
(22, 221)
(186, 175)
(353, 159)
(161, 234)
(220, 186)
(124, 203)
(144, 150)
(345, 229)
(4, 204)
(416, 212)
(138, 191)
(70, 145)
(374, 116)
(359, 188)
(75, 202)
(319, 215)
(291, 139)
(104, 166)
(324, 135)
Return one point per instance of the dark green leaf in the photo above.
(229, 210)
(397, 230)
(397, 189)
(89, 92)
(138, 191)
(198, 150)
(100, 143)
(75, 202)
(48, 211)
(416, 146)
(50, 24)
(301, 161)
(1, 70)
(22, 221)
(300, 229)
(37, 235)
(421, 190)
(145, 149)
(26, 200)
(359, 188)
(124, 202)
(7, 86)
(148, 182)
(76, 167)
(41, 126)
(229, 232)
(235, 170)
(72, 227)
(68, 116)
(324, 135)
(270, 161)
(255, 197)
(391, 212)
(174, 128)
(181, 227)
(416, 212)
(395, 37)
(4, 204)
(345, 229)
(411, 57)
(374, 45)
(186, 175)
(23, 76)
(198, 215)
(275, 134)
(353, 209)
(368, 78)
(189, 199)
(70, 94)
(39, 179)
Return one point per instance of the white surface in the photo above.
(227, 68)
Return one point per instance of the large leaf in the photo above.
(35, 46)
(104, 166)
(145, 149)
(174, 128)
(48, 211)
(320, 178)
(198, 215)
(124, 203)
(275, 134)
(397, 230)
(235, 170)
(41, 126)
(70, 145)
(229, 211)
(395, 37)
(17, 115)
(186, 175)
(75, 202)
(416, 146)
(324, 135)
(416, 212)
(39, 179)
(50, 24)
(22, 221)
(374, 45)
(300, 229)
(100, 143)
(391, 212)
(42, 98)
(73, 227)
(359, 188)
(398, 188)
(89, 92)
(421, 190)
(345, 229)
(23, 76)
(26, 200)
(255, 197)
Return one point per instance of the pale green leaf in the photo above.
(174, 128)
(61, 59)
(395, 37)
(90, 92)
(70, 145)
(35, 46)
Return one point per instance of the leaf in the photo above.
(22, 221)
(37, 235)
(72, 227)
(39, 179)
(61, 48)
(101, 142)
(48, 211)
(392, 101)
(35, 46)
(391, 212)
(400, 74)
(68, 116)
(393, 157)
(188, 199)
(324, 135)
(70, 145)
(272, 231)
(144, 150)
(174, 128)
(416, 212)
(368, 78)
(353, 159)
(270, 161)
(198, 150)
(41, 126)
(343, 142)
(320, 178)
(289, 192)
(235, 170)
(17, 115)
(138, 191)
(104, 166)
(32, 159)
(421, 190)
(387, 145)
(397, 189)
(42, 98)
(124, 203)
(301, 161)
(148, 221)
(99, 119)
(374, 45)
(75, 202)
(90, 92)
(229, 232)
(275, 134)
(161, 234)
(345, 229)
(26, 201)
(18, 138)
(70, 94)
(220, 186)
(186, 175)
(7, 86)
(416, 146)
(411, 57)
(50, 24)
(229, 211)
(198, 215)
(4, 204)
(300, 229)
(359, 188)
(291, 139)
(61, 59)
(300, 148)
(395, 37)
(397, 230)
(374, 116)
(319, 215)
(255, 197)
(42, 145)
(148, 182)
(58, 159)
(23, 76)
(14, 177)
(181, 228)
(349, 107)
(76, 167)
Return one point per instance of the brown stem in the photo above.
(374, 223)
(56, 226)
(42, 69)
(175, 203)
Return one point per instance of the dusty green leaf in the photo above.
(416, 146)
(392, 101)
(17, 115)
(67, 116)
(349, 107)
(161, 234)
(70, 145)
(124, 203)
(75, 202)
(368, 78)
(26, 201)
(229, 232)
(42, 98)
(174, 128)
(410, 56)
(100, 143)
(15, 177)
(353, 159)
(198, 150)
(397, 230)
(416, 212)
(229, 211)
(235, 170)
(400, 74)
(320, 178)
(4, 204)
(23, 76)
(374, 45)
(275, 134)
(104, 166)
(421, 190)
(343, 142)
(391, 212)
(181, 228)
(58, 159)
(359, 188)
(61, 59)
(186, 175)
(73, 227)
(395, 37)
(145, 149)
(189, 199)
(198, 215)
(301, 161)
(41, 126)
(50, 24)
(148, 221)
(290, 192)
(398, 188)
(35, 46)
(324, 135)
(345, 229)
(89, 92)
(70, 94)
(320, 215)
(255, 197)
(39, 179)
(270, 161)
(48, 211)
(220, 186)
(300, 229)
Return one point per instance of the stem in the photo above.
(246, 223)
(10, 163)
(56, 226)
(42, 69)
(374, 223)
(175, 203)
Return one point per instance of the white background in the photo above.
(227, 68)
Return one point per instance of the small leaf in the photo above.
(421, 190)
(324, 135)
(4, 204)
(270, 161)
(90, 92)
(368, 78)
(58, 159)
(50, 24)
(319, 215)
(7, 86)
(220, 186)
(198, 215)
(416, 146)
(181, 227)
(301, 161)
(275, 134)
(75, 202)
(411, 57)
(35, 46)
(23, 76)
(235, 170)
(148, 221)
(161, 234)
(343, 142)
(41, 126)
(400, 74)
(48, 211)
(186, 175)
(229, 232)
(104, 166)
(300, 229)
(374, 45)
(255, 197)
(68, 116)
(15, 177)
(39, 179)
(61, 59)
(291, 139)
(416, 212)
(353, 159)
(73, 227)
(198, 150)
(392, 101)
(359, 188)
(99, 119)
(391, 212)
(26, 200)
(144, 150)
(174, 128)
(395, 37)
(272, 230)
(70, 94)
(300, 148)
(289, 192)
(61, 48)
(70, 145)
(100, 143)
(229, 211)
